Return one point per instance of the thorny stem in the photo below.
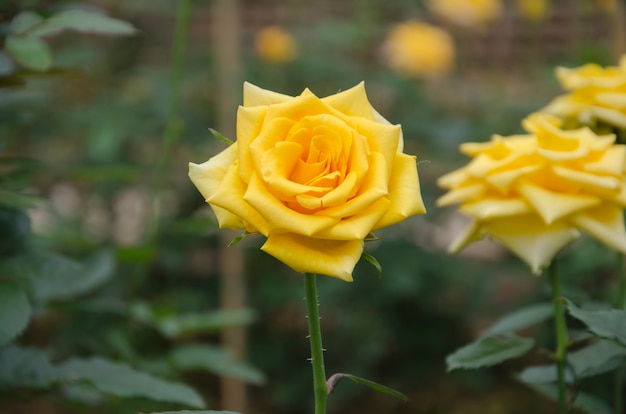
(315, 338)
(561, 336)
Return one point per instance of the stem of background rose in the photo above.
(315, 338)
(561, 335)
(620, 304)
(174, 124)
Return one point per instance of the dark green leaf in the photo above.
(600, 357)
(172, 324)
(584, 402)
(521, 319)
(25, 367)
(489, 351)
(239, 238)
(19, 200)
(373, 261)
(216, 360)
(123, 381)
(82, 21)
(610, 324)
(25, 21)
(30, 52)
(14, 311)
(221, 137)
(335, 378)
(53, 276)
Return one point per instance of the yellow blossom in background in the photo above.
(467, 13)
(275, 45)
(534, 11)
(534, 192)
(609, 6)
(416, 49)
(314, 175)
(596, 93)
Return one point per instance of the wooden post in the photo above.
(228, 85)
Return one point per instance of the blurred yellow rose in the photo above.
(275, 45)
(595, 94)
(420, 50)
(534, 192)
(315, 176)
(534, 11)
(467, 13)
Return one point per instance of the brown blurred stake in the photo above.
(226, 39)
(619, 29)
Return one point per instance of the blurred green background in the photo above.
(89, 141)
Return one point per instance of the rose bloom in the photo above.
(467, 13)
(595, 94)
(534, 192)
(315, 176)
(420, 50)
(275, 45)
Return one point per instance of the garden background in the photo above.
(124, 259)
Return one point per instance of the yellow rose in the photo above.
(468, 13)
(534, 11)
(419, 49)
(596, 94)
(534, 192)
(315, 176)
(275, 45)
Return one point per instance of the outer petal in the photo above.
(357, 226)
(249, 123)
(552, 206)
(604, 223)
(352, 102)
(490, 208)
(306, 254)
(404, 192)
(229, 196)
(529, 238)
(254, 96)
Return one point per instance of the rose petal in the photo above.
(279, 216)
(404, 192)
(605, 223)
(229, 196)
(460, 194)
(249, 123)
(490, 208)
(254, 96)
(335, 258)
(587, 180)
(357, 226)
(352, 102)
(551, 205)
(469, 235)
(531, 239)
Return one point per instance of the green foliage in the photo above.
(29, 51)
(14, 311)
(195, 412)
(521, 319)
(373, 261)
(583, 402)
(335, 378)
(610, 324)
(488, 351)
(221, 137)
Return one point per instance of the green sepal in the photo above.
(239, 238)
(373, 261)
(221, 137)
(335, 378)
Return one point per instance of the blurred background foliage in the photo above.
(110, 264)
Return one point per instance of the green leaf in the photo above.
(373, 261)
(609, 324)
(24, 21)
(14, 311)
(600, 357)
(488, 351)
(221, 137)
(82, 21)
(52, 276)
(123, 381)
(217, 360)
(521, 319)
(25, 367)
(19, 200)
(584, 402)
(30, 52)
(239, 238)
(335, 378)
(173, 325)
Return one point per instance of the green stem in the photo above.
(620, 304)
(561, 336)
(315, 338)
(173, 125)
